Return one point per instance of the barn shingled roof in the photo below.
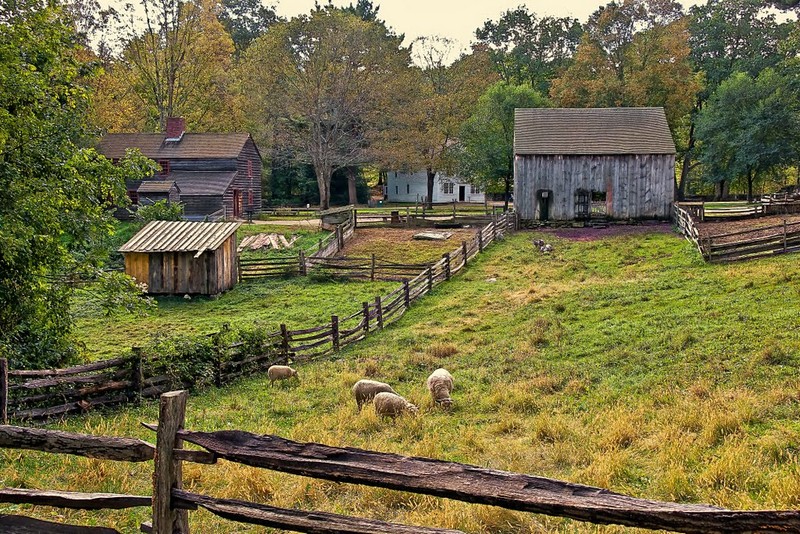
(157, 186)
(180, 236)
(591, 131)
(191, 145)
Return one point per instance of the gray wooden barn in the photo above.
(182, 257)
(616, 163)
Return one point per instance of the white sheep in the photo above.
(440, 384)
(365, 390)
(538, 243)
(280, 372)
(546, 249)
(392, 405)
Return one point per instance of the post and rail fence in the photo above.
(734, 246)
(170, 503)
(43, 394)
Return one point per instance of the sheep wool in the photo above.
(365, 390)
(391, 405)
(280, 372)
(440, 384)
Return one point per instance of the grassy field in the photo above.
(625, 363)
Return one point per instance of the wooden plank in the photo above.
(295, 520)
(480, 485)
(101, 447)
(18, 524)
(78, 369)
(168, 471)
(3, 391)
(73, 500)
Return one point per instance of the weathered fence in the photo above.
(740, 245)
(40, 394)
(170, 503)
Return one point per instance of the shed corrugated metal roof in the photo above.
(156, 186)
(191, 145)
(202, 182)
(180, 236)
(592, 131)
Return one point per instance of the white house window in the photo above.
(447, 188)
(408, 189)
(474, 189)
(397, 190)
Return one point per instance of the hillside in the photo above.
(624, 362)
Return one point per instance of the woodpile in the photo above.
(267, 241)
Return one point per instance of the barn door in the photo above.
(237, 203)
(544, 198)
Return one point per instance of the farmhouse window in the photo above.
(249, 168)
(474, 189)
(164, 164)
(133, 195)
(447, 188)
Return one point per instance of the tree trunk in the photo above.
(687, 164)
(750, 179)
(431, 176)
(351, 185)
(507, 192)
(324, 184)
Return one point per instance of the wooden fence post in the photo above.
(464, 251)
(430, 278)
(339, 239)
(454, 209)
(480, 240)
(320, 244)
(784, 235)
(4, 390)
(137, 373)
(446, 257)
(168, 472)
(372, 269)
(302, 260)
(408, 217)
(335, 332)
(494, 230)
(365, 309)
(285, 342)
(379, 311)
(406, 294)
(355, 218)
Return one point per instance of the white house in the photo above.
(413, 187)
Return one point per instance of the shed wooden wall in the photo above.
(179, 273)
(636, 186)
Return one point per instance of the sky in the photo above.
(455, 19)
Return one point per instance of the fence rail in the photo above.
(42, 394)
(734, 246)
(469, 483)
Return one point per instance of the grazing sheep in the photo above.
(546, 249)
(280, 372)
(538, 243)
(392, 404)
(365, 390)
(440, 384)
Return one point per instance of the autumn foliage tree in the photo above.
(321, 84)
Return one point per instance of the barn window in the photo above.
(164, 164)
(408, 189)
(447, 188)
(133, 195)
(598, 202)
(249, 168)
(474, 189)
(397, 190)
(582, 200)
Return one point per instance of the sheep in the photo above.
(546, 249)
(365, 390)
(538, 243)
(440, 384)
(280, 372)
(392, 404)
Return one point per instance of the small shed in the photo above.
(182, 257)
(570, 163)
(152, 191)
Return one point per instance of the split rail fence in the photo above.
(170, 503)
(41, 394)
(740, 245)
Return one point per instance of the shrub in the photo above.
(160, 211)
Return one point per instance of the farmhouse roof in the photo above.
(202, 183)
(157, 186)
(190, 145)
(180, 236)
(592, 131)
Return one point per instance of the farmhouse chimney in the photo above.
(176, 126)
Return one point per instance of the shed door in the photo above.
(237, 203)
(462, 193)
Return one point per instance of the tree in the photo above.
(55, 197)
(322, 84)
(443, 97)
(486, 149)
(180, 65)
(527, 49)
(749, 126)
(726, 37)
(246, 20)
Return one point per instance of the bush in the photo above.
(160, 211)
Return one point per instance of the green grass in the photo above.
(626, 363)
